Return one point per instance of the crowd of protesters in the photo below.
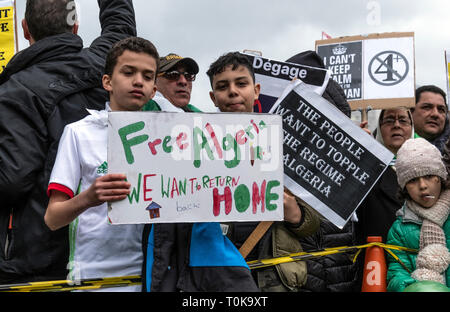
(54, 185)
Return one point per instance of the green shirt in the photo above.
(153, 106)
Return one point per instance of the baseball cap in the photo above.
(171, 60)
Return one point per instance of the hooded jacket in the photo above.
(43, 88)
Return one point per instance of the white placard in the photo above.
(389, 68)
(196, 167)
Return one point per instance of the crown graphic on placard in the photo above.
(339, 49)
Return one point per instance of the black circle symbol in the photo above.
(388, 68)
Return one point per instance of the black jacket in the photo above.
(335, 272)
(43, 88)
(376, 214)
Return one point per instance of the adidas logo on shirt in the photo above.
(103, 169)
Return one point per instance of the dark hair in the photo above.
(234, 59)
(133, 44)
(430, 88)
(402, 194)
(47, 18)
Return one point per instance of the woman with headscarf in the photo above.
(377, 212)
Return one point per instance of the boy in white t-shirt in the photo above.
(79, 184)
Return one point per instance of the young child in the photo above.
(234, 90)
(79, 184)
(422, 222)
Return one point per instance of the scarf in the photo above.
(433, 258)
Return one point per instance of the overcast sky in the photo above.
(206, 29)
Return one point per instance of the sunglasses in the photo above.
(175, 75)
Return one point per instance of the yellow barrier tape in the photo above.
(68, 285)
(262, 263)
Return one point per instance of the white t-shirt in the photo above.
(97, 248)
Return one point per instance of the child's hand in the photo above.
(292, 212)
(108, 188)
(62, 210)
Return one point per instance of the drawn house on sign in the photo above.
(153, 210)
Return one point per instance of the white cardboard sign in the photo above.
(196, 167)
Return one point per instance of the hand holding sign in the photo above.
(292, 212)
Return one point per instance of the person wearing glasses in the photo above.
(174, 85)
(188, 257)
(395, 126)
(377, 212)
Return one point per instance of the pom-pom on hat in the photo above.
(418, 158)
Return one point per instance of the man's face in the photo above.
(132, 83)
(429, 115)
(177, 91)
(234, 90)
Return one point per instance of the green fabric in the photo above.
(193, 108)
(292, 274)
(406, 232)
(153, 106)
(287, 276)
(427, 286)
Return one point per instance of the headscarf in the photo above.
(379, 136)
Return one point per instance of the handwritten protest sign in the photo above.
(329, 162)
(7, 32)
(376, 70)
(197, 167)
(275, 76)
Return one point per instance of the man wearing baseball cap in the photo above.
(174, 85)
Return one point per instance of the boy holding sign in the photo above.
(234, 90)
(79, 184)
